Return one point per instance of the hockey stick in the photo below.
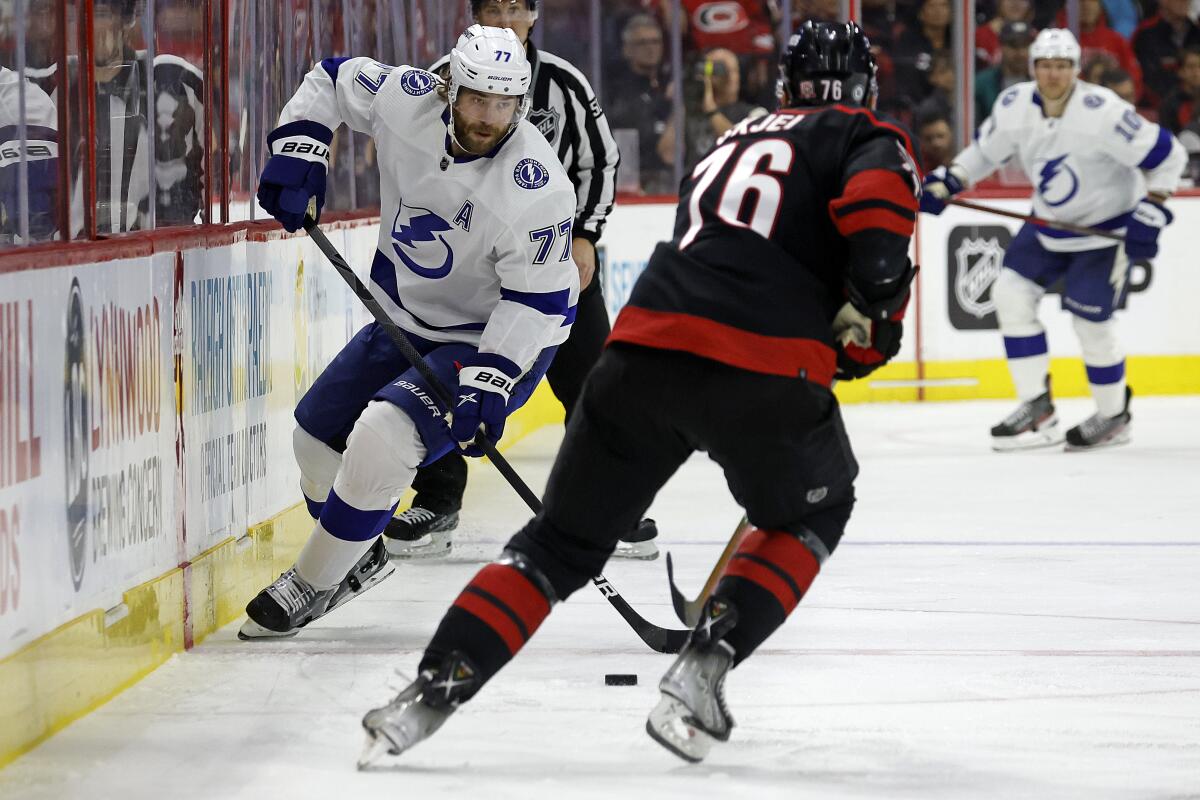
(688, 611)
(662, 640)
(1040, 222)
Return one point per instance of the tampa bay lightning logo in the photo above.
(1059, 183)
(417, 240)
(530, 174)
(416, 82)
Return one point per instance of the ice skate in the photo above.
(283, 608)
(290, 603)
(691, 715)
(1033, 424)
(1099, 431)
(639, 543)
(418, 711)
(420, 533)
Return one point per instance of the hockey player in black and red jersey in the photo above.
(788, 267)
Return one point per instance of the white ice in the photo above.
(1016, 626)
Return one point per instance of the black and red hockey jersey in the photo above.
(772, 224)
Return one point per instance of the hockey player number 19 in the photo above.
(744, 177)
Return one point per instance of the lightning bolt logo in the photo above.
(423, 226)
(1052, 169)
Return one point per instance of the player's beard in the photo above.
(479, 137)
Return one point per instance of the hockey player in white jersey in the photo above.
(473, 263)
(1093, 161)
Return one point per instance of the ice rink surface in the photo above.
(1017, 626)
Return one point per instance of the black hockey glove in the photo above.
(869, 333)
(859, 355)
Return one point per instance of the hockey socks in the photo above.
(493, 617)
(765, 580)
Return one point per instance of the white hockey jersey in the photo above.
(471, 249)
(1090, 166)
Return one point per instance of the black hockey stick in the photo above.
(688, 611)
(662, 640)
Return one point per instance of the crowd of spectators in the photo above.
(1147, 51)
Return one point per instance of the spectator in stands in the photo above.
(1096, 64)
(124, 114)
(712, 104)
(940, 100)
(1158, 42)
(936, 136)
(637, 98)
(1096, 37)
(1120, 82)
(1122, 15)
(988, 44)
(915, 48)
(1182, 106)
(1015, 38)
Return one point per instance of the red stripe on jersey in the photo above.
(494, 618)
(903, 134)
(516, 591)
(876, 184)
(869, 218)
(771, 355)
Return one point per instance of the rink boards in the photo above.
(147, 487)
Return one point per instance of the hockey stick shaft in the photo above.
(663, 640)
(1082, 230)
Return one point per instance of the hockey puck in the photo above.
(620, 679)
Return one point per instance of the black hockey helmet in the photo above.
(828, 62)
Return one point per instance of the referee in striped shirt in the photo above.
(565, 109)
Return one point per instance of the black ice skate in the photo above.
(639, 543)
(1033, 424)
(420, 533)
(290, 603)
(1099, 431)
(419, 710)
(691, 715)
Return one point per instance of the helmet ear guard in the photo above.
(826, 63)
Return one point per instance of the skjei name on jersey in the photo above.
(1090, 166)
(472, 249)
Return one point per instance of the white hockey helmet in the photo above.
(492, 61)
(1055, 43)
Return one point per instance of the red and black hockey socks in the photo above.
(493, 617)
(765, 580)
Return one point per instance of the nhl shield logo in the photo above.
(547, 121)
(979, 263)
(976, 256)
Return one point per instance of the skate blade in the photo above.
(251, 631)
(667, 726)
(439, 545)
(376, 750)
(636, 551)
(1033, 440)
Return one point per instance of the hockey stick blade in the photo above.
(661, 640)
(658, 639)
(689, 611)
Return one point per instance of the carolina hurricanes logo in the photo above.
(721, 17)
(417, 240)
